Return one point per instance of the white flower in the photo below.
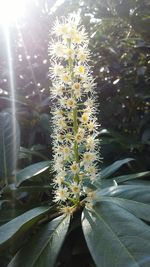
(88, 158)
(80, 37)
(61, 123)
(91, 170)
(69, 53)
(76, 87)
(87, 87)
(90, 143)
(64, 30)
(58, 163)
(57, 69)
(83, 54)
(62, 101)
(60, 28)
(61, 194)
(58, 149)
(75, 188)
(67, 210)
(70, 103)
(62, 173)
(57, 90)
(57, 49)
(60, 137)
(69, 137)
(59, 180)
(88, 110)
(74, 167)
(89, 103)
(65, 78)
(68, 27)
(80, 135)
(85, 118)
(79, 70)
(66, 152)
(91, 126)
(58, 113)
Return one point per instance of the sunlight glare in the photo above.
(56, 5)
(12, 87)
(11, 10)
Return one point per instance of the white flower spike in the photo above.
(74, 120)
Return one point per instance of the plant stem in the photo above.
(75, 128)
(75, 120)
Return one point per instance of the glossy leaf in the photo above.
(104, 183)
(9, 144)
(124, 178)
(43, 248)
(111, 169)
(16, 227)
(139, 209)
(139, 193)
(115, 237)
(31, 171)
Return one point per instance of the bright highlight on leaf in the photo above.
(75, 124)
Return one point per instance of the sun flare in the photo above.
(11, 11)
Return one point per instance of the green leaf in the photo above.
(115, 237)
(124, 178)
(43, 248)
(11, 189)
(104, 183)
(139, 209)
(36, 150)
(139, 193)
(31, 171)
(18, 226)
(105, 173)
(9, 144)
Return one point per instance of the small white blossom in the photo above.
(58, 49)
(70, 103)
(75, 188)
(79, 70)
(90, 143)
(61, 194)
(57, 69)
(65, 78)
(85, 118)
(74, 167)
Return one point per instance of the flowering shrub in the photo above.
(75, 124)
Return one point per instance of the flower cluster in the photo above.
(75, 143)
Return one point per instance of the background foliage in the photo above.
(120, 45)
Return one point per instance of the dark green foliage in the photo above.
(115, 231)
(43, 248)
(115, 236)
(20, 224)
(9, 145)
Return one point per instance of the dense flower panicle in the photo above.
(75, 143)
